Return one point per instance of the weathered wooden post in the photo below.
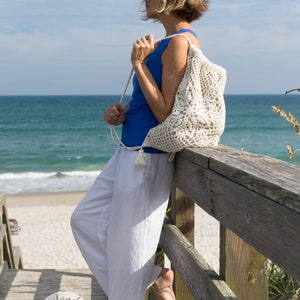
(243, 268)
(182, 214)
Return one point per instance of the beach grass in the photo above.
(282, 286)
(290, 118)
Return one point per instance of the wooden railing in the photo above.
(256, 199)
(8, 254)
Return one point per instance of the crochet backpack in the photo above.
(198, 115)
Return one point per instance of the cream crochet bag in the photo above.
(198, 115)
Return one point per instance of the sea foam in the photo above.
(46, 182)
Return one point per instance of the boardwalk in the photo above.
(38, 284)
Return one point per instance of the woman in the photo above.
(118, 223)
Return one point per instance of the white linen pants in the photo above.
(118, 223)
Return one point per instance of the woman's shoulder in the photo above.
(179, 45)
(182, 40)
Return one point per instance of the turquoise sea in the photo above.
(61, 143)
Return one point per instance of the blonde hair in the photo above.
(188, 10)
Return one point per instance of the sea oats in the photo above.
(294, 122)
(289, 117)
(279, 110)
(242, 146)
(290, 151)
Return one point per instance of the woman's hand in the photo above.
(115, 114)
(141, 49)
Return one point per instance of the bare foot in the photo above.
(162, 287)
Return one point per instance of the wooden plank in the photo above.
(7, 255)
(265, 224)
(2, 235)
(3, 269)
(267, 176)
(245, 270)
(192, 180)
(202, 281)
(276, 180)
(2, 199)
(8, 247)
(182, 215)
(17, 257)
(38, 284)
(2, 230)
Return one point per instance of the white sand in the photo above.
(46, 239)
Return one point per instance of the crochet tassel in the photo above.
(171, 156)
(141, 159)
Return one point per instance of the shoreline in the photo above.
(49, 198)
(46, 238)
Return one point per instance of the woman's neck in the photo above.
(172, 24)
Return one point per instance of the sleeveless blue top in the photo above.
(140, 118)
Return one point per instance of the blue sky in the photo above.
(76, 47)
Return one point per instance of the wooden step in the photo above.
(38, 284)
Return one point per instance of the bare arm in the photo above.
(174, 63)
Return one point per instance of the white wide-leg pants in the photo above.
(118, 223)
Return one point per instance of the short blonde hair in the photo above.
(187, 10)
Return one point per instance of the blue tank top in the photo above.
(140, 118)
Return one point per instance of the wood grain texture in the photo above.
(202, 281)
(247, 194)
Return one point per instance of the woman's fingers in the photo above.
(142, 48)
(114, 115)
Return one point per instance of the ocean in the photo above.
(61, 143)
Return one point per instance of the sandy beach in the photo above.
(46, 239)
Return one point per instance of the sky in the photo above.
(82, 47)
